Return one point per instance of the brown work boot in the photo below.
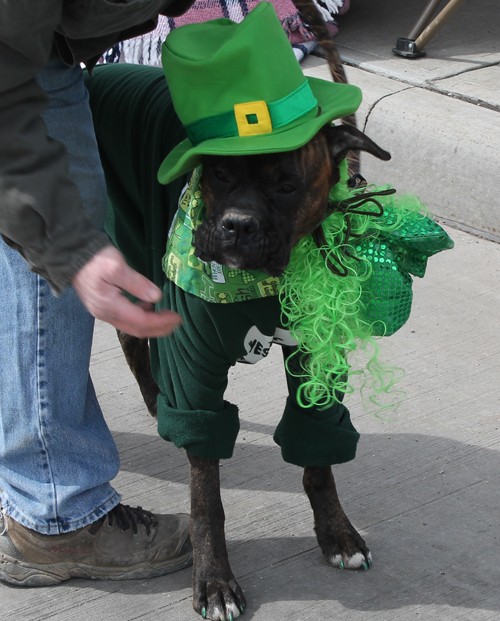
(126, 543)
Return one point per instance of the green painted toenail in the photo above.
(242, 608)
(365, 566)
(230, 617)
(341, 564)
(204, 613)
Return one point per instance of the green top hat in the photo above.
(238, 90)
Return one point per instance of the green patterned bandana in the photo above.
(212, 281)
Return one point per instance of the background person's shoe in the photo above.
(125, 544)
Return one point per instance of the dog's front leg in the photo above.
(136, 352)
(341, 544)
(216, 594)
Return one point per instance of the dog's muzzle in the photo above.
(241, 241)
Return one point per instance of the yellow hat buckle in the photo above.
(253, 118)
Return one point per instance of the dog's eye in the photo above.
(220, 176)
(287, 188)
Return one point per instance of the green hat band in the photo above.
(254, 118)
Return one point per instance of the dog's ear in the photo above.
(343, 138)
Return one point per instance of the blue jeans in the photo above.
(57, 455)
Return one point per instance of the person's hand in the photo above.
(99, 285)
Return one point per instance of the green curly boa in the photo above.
(332, 316)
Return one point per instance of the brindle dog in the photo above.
(258, 207)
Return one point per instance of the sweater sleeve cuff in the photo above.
(211, 435)
(313, 438)
(65, 257)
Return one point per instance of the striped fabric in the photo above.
(146, 49)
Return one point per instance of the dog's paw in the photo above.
(343, 546)
(219, 600)
(356, 561)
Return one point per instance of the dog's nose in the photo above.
(239, 227)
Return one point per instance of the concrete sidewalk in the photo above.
(439, 116)
(424, 489)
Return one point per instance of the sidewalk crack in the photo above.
(462, 71)
(375, 103)
(435, 87)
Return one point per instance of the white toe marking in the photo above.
(233, 609)
(217, 614)
(355, 561)
(335, 560)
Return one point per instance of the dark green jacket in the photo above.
(45, 221)
(136, 127)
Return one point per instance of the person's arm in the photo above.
(41, 214)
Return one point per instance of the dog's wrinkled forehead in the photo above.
(252, 168)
